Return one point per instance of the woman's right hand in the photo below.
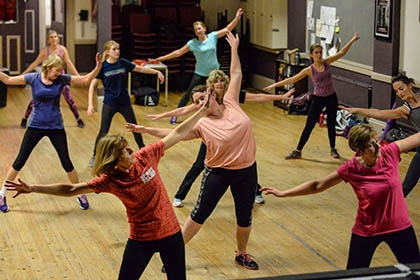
(270, 87)
(20, 187)
(90, 110)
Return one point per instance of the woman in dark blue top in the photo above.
(116, 98)
(47, 119)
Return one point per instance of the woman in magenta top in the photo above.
(382, 214)
(324, 95)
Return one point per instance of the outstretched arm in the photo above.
(223, 32)
(39, 59)
(154, 131)
(299, 76)
(343, 51)
(147, 70)
(310, 187)
(263, 97)
(397, 113)
(70, 66)
(174, 54)
(53, 189)
(11, 81)
(86, 79)
(184, 130)
(409, 143)
(181, 111)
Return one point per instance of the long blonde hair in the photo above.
(107, 47)
(108, 150)
(53, 60)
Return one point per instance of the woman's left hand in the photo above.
(232, 39)
(161, 77)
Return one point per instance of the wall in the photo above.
(410, 38)
(212, 7)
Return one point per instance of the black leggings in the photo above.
(215, 182)
(108, 113)
(194, 172)
(317, 105)
(137, 255)
(195, 81)
(31, 138)
(403, 244)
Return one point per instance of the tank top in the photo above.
(323, 85)
(414, 116)
(60, 53)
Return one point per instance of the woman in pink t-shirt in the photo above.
(134, 178)
(382, 214)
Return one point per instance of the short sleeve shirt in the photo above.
(46, 99)
(382, 208)
(114, 78)
(149, 210)
(205, 54)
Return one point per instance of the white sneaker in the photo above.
(177, 203)
(259, 199)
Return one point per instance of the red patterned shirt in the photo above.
(149, 210)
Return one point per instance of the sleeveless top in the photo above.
(60, 53)
(323, 85)
(414, 116)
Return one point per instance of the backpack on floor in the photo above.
(146, 96)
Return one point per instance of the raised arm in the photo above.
(176, 53)
(53, 189)
(310, 187)
(184, 130)
(147, 70)
(92, 87)
(344, 50)
(181, 111)
(234, 87)
(11, 81)
(223, 32)
(86, 79)
(397, 113)
(299, 76)
(263, 97)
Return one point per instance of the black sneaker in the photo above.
(334, 153)
(23, 123)
(246, 261)
(295, 154)
(80, 123)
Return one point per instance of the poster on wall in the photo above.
(383, 18)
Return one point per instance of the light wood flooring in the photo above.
(48, 237)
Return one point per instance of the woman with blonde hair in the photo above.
(116, 98)
(134, 178)
(54, 47)
(47, 119)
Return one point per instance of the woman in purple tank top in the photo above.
(324, 95)
(54, 47)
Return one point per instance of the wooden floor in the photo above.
(47, 237)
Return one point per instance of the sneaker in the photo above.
(177, 203)
(91, 161)
(173, 120)
(334, 153)
(246, 261)
(3, 205)
(295, 154)
(84, 203)
(80, 123)
(23, 123)
(259, 199)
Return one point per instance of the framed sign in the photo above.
(383, 18)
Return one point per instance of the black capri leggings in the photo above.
(31, 138)
(215, 182)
